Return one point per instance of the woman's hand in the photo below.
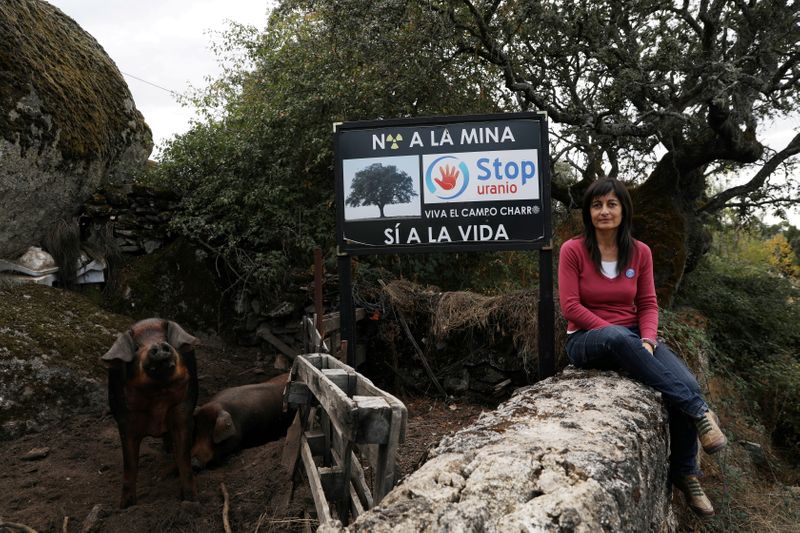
(647, 347)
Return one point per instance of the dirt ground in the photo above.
(76, 486)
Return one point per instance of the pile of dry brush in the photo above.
(492, 320)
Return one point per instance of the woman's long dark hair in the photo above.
(624, 239)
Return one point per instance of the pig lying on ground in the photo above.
(240, 417)
(152, 391)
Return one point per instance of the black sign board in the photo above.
(437, 184)
(443, 184)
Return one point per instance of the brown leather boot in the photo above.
(711, 437)
(695, 497)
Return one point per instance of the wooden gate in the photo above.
(343, 422)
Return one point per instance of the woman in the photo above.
(608, 297)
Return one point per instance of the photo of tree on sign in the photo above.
(392, 188)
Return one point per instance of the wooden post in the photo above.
(321, 504)
(547, 365)
(385, 472)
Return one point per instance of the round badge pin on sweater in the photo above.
(630, 273)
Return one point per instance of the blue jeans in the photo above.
(620, 347)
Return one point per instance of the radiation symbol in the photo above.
(394, 139)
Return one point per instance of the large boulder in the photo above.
(68, 122)
(582, 451)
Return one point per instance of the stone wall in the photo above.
(582, 451)
(139, 216)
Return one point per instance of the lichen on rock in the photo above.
(583, 451)
(50, 344)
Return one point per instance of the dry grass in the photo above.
(279, 525)
(748, 494)
(514, 314)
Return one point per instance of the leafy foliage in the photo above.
(782, 256)
(777, 383)
(255, 172)
(621, 78)
(753, 314)
(760, 246)
(690, 341)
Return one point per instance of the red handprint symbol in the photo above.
(449, 177)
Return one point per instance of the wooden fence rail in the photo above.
(343, 421)
(329, 340)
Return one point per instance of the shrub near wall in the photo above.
(753, 315)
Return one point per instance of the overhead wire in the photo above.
(170, 91)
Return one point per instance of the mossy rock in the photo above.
(51, 341)
(85, 102)
(68, 123)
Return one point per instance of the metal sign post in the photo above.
(346, 309)
(463, 183)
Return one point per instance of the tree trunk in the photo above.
(665, 219)
(582, 451)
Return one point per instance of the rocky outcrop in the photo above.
(583, 451)
(68, 122)
(50, 342)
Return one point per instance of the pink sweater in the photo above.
(589, 300)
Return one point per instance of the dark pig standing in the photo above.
(240, 417)
(152, 391)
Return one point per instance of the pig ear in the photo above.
(177, 337)
(123, 349)
(223, 428)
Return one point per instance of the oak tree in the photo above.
(380, 185)
(665, 94)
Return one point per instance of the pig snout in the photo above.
(160, 360)
(202, 454)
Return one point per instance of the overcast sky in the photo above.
(165, 43)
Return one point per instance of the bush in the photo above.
(776, 384)
(753, 313)
(688, 340)
(753, 316)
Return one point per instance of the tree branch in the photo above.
(687, 17)
(736, 145)
(720, 200)
(784, 201)
(493, 53)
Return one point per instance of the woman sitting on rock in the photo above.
(608, 297)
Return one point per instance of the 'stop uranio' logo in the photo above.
(447, 177)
